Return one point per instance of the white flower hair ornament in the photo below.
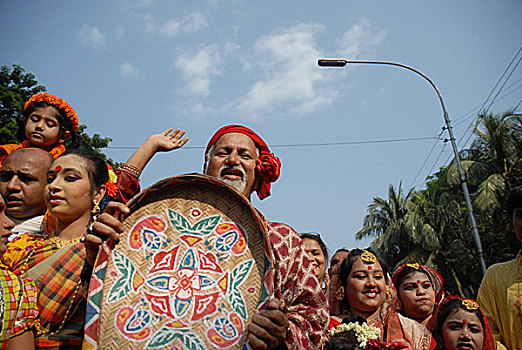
(363, 332)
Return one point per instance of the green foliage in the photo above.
(16, 87)
(431, 226)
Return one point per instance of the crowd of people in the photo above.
(58, 205)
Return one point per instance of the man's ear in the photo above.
(64, 136)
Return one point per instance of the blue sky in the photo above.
(134, 68)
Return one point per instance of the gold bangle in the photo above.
(130, 169)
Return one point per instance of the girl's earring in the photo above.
(339, 293)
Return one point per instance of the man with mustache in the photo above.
(297, 316)
(22, 179)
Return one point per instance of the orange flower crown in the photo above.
(57, 102)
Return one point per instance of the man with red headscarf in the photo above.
(297, 316)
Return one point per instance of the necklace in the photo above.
(60, 243)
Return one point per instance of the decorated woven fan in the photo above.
(188, 273)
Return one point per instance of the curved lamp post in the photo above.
(329, 62)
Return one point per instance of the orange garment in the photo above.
(6, 150)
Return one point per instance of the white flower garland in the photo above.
(363, 332)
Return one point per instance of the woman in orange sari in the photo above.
(60, 264)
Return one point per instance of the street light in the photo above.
(341, 62)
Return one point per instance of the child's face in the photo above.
(417, 295)
(517, 222)
(42, 127)
(6, 225)
(462, 330)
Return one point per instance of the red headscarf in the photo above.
(268, 166)
(435, 277)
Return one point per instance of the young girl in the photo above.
(18, 311)
(460, 324)
(419, 290)
(48, 122)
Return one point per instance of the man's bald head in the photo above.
(22, 182)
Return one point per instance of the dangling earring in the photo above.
(339, 293)
(399, 305)
(95, 209)
(388, 292)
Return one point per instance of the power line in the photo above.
(500, 79)
(505, 81)
(426, 159)
(475, 120)
(461, 119)
(314, 144)
(474, 123)
(436, 160)
(518, 104)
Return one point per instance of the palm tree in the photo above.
(401, 232)
(494, 162)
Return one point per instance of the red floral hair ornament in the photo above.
(57, 102)
(268, 165)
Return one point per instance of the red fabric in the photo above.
(268, 166)
(295, 284)
(333, 323)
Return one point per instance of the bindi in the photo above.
(369, 267)
(58, 168)
(464, 321)
(418, 282)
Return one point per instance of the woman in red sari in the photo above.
(419, 290)
(367, 291)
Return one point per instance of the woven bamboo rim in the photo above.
(144, 315)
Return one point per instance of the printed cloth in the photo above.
(295, 284)
(18, 310)
(61, 293)
(6, 150)
(500, 298)
(268, 166)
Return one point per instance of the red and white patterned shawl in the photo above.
(302, 299)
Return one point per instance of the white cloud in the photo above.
(287, 60)
(91, 36)
(360, 41)
(190, 23)
(128, 71)
(198, 69)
